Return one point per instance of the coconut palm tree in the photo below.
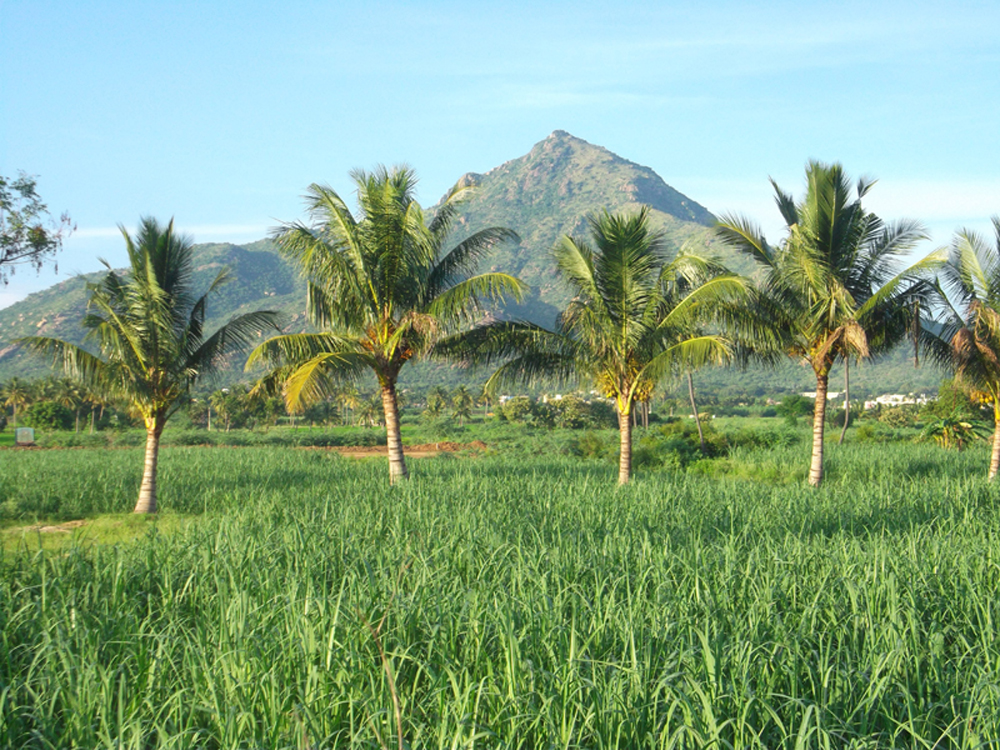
(461, 404)
(66, 392)
(381, 290)
(633, 320)
(970, 339)
(832, 288)
(436, 400)
(369, 411)
(149, 328)
(16, 393)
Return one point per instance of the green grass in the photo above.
(53, 534)
(527, 602)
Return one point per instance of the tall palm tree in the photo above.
(149, 328)
(633, 320)
(970, 339)
(381, 290)
(16, 393)
(832, 288)
(461, 404)
(72, 395)
(437, 399)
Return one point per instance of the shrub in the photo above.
(905, 415)
(48, 415)
(794, 406)
(573, 412)
(769, 437)
(869, 433)
(592, 445)
(675, 445)
(518, 410)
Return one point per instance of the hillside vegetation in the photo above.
(541, 195)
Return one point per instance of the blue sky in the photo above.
(221, 113)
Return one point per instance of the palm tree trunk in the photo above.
(819, 416)
(397, 461)
(694, 410)
(995, 455)
(847, 399)
(625, 450)
(147, 490)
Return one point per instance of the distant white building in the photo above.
(896, 399)
(812, 394)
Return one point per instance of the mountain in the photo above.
(550, 191)
(542, 195)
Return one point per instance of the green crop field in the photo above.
(289, 598)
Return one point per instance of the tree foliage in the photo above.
(970, 337)
(148, 326)
(635, 318)
(382, 289)
(28, 235)
(833, 287)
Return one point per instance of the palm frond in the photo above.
(745, 236)
(317, 378)
(461, 301)
(300, 347)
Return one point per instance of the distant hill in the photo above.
(550, 191)
(542, 195)
(259, 279)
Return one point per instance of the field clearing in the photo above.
(527, 602)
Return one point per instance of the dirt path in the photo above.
(424, 450)
(62, 528)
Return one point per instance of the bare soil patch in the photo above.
(423, 450)
(61, 528)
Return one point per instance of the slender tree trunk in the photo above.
(14, 408)
(995, 455)
(92, 428)
(847, 399)
(209, 417)
(819, 417)
(397, 461)
(147, 490)
(694, 410)
(625, 449)
(77, 424)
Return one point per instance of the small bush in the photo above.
(749, 437)
(592, 445)
(675, 445)
(875, 433)
(48, 415)
(906, 415)
(129, 438)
